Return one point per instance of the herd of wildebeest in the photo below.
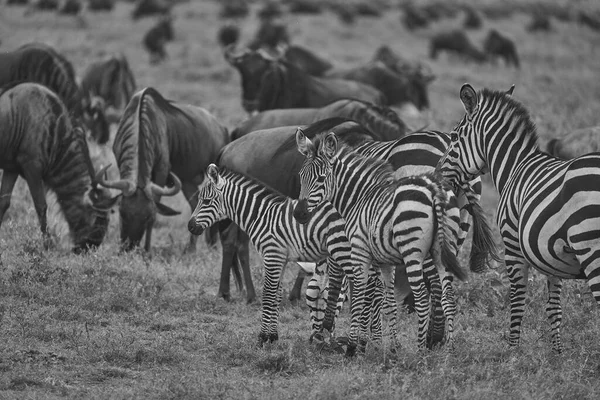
(56, 126)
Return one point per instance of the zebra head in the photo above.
(210, 202)
(464, 159)
(316, 178)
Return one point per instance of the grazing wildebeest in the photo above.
(156, 138)
(17, 2)
(157, 37)
(402, 66)
(70, 7)
(306, 60)
(228, 34)
(269, 83)
(145, 8)
(39, 143)
(305, 6)
(269, 10)
(112, 80)
(414, 18)
(539, 22)
(590, 20)
(398, 89)
(46, 5)
(472, 19)
(40, 63)
(497, 45)
(382, 122)
(455, 41)
(101, 5)
(234, 9)
(576, 143)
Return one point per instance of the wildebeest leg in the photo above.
(295, 294)
(148, 240)
(229, 236)
(8, 183)
(38, 194)
(190, 191)
(243, 258)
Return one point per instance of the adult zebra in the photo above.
(549, 209)
(389, 221)
(267, 219)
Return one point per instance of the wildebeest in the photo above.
(497, 45)
(305, 6)
(234, 9)
(382, 122)
(539, 22)
(269, 35)
(228, 34)
(306, 60)
(576, 143)
(70, 7)
(112, 80)
(157, 37)
(414, 18)
(472, 19)
(39, 143)
(145, 8)
(46, 5)
(17, 2)
(398, 89)
(101, 5)
(455, 41)
(156, 138)
(402, 66)
(269, 83)
(590, 20)
(269, 10)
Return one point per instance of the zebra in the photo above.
(416, 154)
(548, 208)
(267, 218)
(388, 220)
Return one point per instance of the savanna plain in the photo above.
(121, 326)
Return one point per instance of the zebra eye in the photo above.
(454, 136)
(206, 202)
(321, 178)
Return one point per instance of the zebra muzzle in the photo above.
(301, 213)
(194, 228)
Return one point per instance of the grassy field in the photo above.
(126, 326)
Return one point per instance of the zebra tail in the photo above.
(448, 257)
(483, 246)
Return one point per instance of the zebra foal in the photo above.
(549, 209)
(389, 221)
(267, 219)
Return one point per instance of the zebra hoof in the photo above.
(318, 336)
(342, 341)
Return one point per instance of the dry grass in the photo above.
(131, 326)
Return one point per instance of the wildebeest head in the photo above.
(94, 117)
(139, 206)
(252, 65)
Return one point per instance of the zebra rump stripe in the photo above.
(549, 209)
(267, 219)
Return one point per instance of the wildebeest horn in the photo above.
(123, 185)
(165, 191)
(510, 91)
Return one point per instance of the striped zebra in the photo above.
(389, 221)
(549, 209)
(416, 154)
(268, 220)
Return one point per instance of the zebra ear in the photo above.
(510, 91)
(213, 174)
(330, 145)
(303, 143)
(468, 96)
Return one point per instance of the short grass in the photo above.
(105, 325)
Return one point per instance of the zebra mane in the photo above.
(379, 171)
(266, 192)
(512, 108)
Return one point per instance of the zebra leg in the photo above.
(390, 308)
(377, 292)
(517, 269)
(449, 306)
(273, 265)
(554, 311)
(336, 275)
(316, 292)
(435, 333)
(8, 183)
(414, 271)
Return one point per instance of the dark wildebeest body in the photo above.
(590, 20)
(307, 61)
(234, 9)
(539, 22)
(145, 8)
(270, 34)
(112, 80)
(39, 143)
(228, 34)
(403, 67)
(17, 2)
(382, 122)
(268, 84)
(397, 89)
(101, 5)
(576, 143)
(46, 5)
(497, 45)
(270, 9)
(157, 137)
(156, 38)
(414, 18)
(455, 41)
(70, 7)
(472, 19)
